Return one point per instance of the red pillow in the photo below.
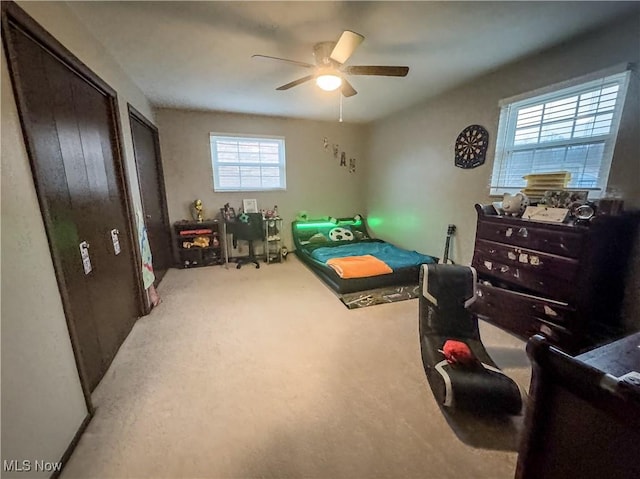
(457, 352)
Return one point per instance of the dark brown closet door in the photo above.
(114, 281)
(61, 218)
(69, 126)
(146, 146)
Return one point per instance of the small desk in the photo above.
(617, 358)
(272, 240)
(582, 421)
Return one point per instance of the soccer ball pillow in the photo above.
(340, 234)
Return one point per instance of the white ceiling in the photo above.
(197, 55)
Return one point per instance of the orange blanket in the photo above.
(359, 266)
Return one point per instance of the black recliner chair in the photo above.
(446, 292)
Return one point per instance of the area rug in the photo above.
(390, 294)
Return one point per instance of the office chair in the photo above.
(250, 231)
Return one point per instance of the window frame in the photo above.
(510, 107)
(281, 165)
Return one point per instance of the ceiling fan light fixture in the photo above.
(330, 71)
(329, 82)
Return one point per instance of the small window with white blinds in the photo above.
(570, 129)
(243, 163)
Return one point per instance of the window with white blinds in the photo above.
(247, 163)
(570, 129)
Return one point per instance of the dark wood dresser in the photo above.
(564, 281)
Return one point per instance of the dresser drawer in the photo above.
(525, 315)
(563, 241)
(551, 275)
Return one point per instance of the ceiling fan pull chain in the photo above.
(340, 120)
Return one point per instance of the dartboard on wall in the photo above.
(471, 147)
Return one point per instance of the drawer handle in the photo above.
(547, 331)
(523, 232)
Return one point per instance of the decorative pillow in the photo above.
(318, 238)
(359, 235)
(341, 234)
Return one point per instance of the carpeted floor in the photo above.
(264, 373)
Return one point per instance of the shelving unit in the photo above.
(197, 243)
(273, 240)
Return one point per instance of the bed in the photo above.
(343, 254)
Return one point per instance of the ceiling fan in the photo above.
(330, 69)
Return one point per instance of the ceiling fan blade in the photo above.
(387, 71)
(347, 89)
(297, 82)
(346, 45)
(283, 60)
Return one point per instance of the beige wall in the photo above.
(42, 401)
(413, 189)
(315, 181)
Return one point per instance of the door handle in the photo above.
(116, 241)
(84, 257)
(147, 216)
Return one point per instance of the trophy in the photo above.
(197, 211)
